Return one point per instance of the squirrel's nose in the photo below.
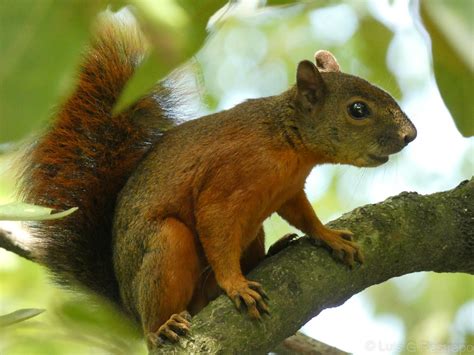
(409, 133)
(409, 136)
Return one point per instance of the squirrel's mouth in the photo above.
(378, 158)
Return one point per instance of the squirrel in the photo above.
(170, 213)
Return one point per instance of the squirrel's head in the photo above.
(345, 117)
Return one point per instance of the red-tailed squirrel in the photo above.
(171, 213)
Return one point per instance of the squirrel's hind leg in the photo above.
(166, 282)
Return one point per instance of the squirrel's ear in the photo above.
(309, 82)
(325, 61)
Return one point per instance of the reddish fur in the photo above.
(85, 158)
(188, 221)
(228, 173)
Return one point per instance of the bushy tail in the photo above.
(86, 156)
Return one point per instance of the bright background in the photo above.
(253, 52)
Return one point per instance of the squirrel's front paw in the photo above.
(248, 295)
(340, 241)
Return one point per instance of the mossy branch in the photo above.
(404, 234)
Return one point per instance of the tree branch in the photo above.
(304, 345)
(9, 242)
(404, 234)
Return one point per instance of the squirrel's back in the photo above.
(86, 156)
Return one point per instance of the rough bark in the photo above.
(403, 234)
(303, 345)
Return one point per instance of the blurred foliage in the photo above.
(174, 38)
(425, 318)
(250, 51)
(72, 324)
(40, 43)
(451, 27)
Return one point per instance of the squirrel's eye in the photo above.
(358, 110)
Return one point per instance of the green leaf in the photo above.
(19, 211)
(371, 43)
(450, 26)
(177, 29)
(40, 46)
(19, 316)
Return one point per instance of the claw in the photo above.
(177, 327)
(258, 287)
(347, 235)
(262, 306)
(186, 315)
(169, 334)
(249, 294)
(238, 303)
(359, 256)
(349, 259)
(171, 330)
(344, 249)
